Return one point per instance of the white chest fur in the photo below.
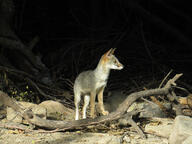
(100, 83)
(101, 76)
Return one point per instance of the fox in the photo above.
(92, 83)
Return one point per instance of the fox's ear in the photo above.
(110, 52)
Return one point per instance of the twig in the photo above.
(149, 101)
(39, 90)
(10, 70)
(43, 94)
(48, 131)
(165, 78)
(139, 131)
(172, 81)
(33, 42)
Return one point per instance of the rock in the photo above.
(160, 126)
(151, 110)
(57, 111)
(126, 139)
(36, 109)
(188, 140)
(14, 116)
(181, 131)
(123, 122)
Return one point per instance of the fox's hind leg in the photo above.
(86, 103)
(77, 98)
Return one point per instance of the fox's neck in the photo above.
(101, 71)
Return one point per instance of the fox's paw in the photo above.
(92, 115)
(105, 112)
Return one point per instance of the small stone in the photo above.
(112, 125)
(126, 139)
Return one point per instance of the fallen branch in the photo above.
(51, 124)
(15, 126)
(65, 125)
(127, 119)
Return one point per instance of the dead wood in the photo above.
(186, 100)
(172, 96)
(65, 125)
(155, 100)
(18, 126)
(127, 119)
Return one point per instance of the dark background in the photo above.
(151, 36)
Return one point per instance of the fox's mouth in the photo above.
(120, 67)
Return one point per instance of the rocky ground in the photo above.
(16, 137)
(158, 131)
(9, 132)
(161, 130)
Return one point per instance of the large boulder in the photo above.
(159, 126)
(181, 131)
(57, 111)
(14, 116)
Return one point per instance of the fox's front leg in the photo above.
(100, 101)
(92, 104)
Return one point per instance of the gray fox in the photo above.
(92, 82)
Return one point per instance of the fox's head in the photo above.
(110, 61)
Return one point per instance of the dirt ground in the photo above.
(17, 137)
